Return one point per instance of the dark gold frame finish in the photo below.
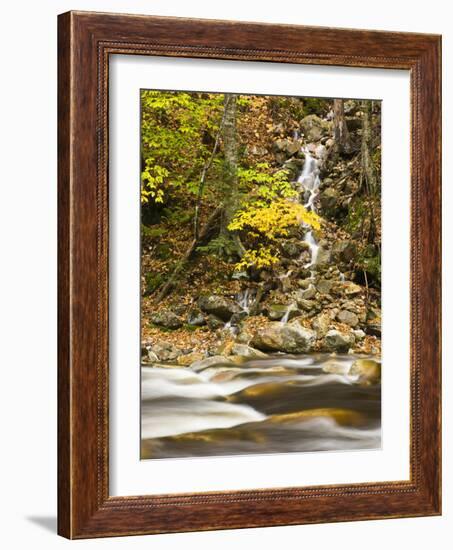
(86, 40)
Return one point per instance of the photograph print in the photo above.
(260, 274)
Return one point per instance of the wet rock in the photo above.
(149, 357)
(166, 319)
(209, 362)
(336, 367)
(348, 318)
(306, 294)
(186, 360)
(221, 307)
(314, 128)
(368, 371)
(288, 338)
(335, 340)
(276, 312)
(247, 351)
(307, 305)
(323, 257)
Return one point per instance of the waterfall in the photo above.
(314, 248)
(309, 182)
(285, 317)
(243, 300)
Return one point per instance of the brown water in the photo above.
(279, 404)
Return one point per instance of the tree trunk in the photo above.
(368, 169)
(232, 243)
(341, 132)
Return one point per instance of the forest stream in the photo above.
(283, 403)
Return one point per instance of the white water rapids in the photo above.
(277, 404)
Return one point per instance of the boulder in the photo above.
(288, 338)
(306, 294)
(344, 251)
(336, 367)
(166, 351)
(276, 312)
(188, 359)
(209, 362)
(247, 351)
(166, 319)
(214, 322)
(314, 128)
(329, 199)
(335, 340)
(219, 306)
(351, 289)
(348, 318)
(367, 370)
(196, 318)
(321, 324)
(324, 286)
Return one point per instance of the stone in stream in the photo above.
(368, 371)
(288, 338)
(335, 340)
(348, 318)
(247, 351)
(221, 307)
(209, 362)
(307, 294)
(166, 319)
(186, 360)
(276, 312)
(336, 367)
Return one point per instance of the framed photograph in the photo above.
(249, 275)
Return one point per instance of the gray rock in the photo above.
(214, 322)
(314, 128)
(219, 306)
(348, 318)
(359, 334)
(247, 351)
(344, 251)
(324, 286)
(196, 318)
(209, 362)
(321, 323)
(165, 351)
(309, 293)
(337, 341)
(323, 257)
(329, 199)
(351, 289)
(275, 312)
(288, 338)
(167, 319)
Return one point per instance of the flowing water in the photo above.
(276, 404)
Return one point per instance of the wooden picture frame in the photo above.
(85, 41)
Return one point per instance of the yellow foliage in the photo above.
(260, 258)
(273, 220)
